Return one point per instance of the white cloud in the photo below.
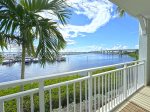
(136, 46)
(118, 47)
(84, 49)
(95, 48)
(11, 48)
(97, 11)
(70, 42)
(48, 14)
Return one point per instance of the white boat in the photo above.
(35, 60)
(60, 58)
(28, 60)
(7, 61)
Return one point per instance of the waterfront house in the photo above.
(122, 89)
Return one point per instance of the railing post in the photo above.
(145, 73)
(90, 92)
(125, 81)
(136, 76)
(1, 106)
(41, 96)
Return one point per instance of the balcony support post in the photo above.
(144, 46)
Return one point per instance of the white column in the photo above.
(144, 46)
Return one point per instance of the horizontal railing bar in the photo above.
(65, 83)
(111, 71)
(33, 91)
(37, 79)
(19, 94)
(104, 73)
(135, 65)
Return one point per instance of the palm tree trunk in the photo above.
(22, 73)
(23, 61)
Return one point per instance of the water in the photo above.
(73, 62)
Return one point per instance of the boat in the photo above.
(28, 60)
(35, 60)
(60, 58)
(7, 61)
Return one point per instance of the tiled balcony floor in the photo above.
(139, 102)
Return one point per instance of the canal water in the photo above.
(73, 62)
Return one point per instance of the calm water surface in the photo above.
(73, 62)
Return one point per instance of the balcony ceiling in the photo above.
(135, 7)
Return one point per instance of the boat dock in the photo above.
(11, 59)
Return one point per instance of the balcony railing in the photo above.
(90, 92)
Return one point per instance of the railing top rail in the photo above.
(42, 78)
(19, 94)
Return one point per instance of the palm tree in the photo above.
(21, 23)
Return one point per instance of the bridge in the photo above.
(118, 51)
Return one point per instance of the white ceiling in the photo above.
(134, 7)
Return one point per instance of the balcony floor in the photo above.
(138, 102)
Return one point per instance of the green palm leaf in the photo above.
(120, 11)
(21, 23)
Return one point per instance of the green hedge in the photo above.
(134, 55)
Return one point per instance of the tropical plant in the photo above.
(22, 23)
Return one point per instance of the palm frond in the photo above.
(6, 39)
(50, 41)
(120, 11)
(59, 8)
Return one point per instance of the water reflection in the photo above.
(73, 62)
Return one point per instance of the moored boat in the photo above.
(7, 61)
(35, 60)
(59, 59)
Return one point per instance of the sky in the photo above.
(94, 25)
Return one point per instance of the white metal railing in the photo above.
(100, 92)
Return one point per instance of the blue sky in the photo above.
(95, 25)
(110, 32)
